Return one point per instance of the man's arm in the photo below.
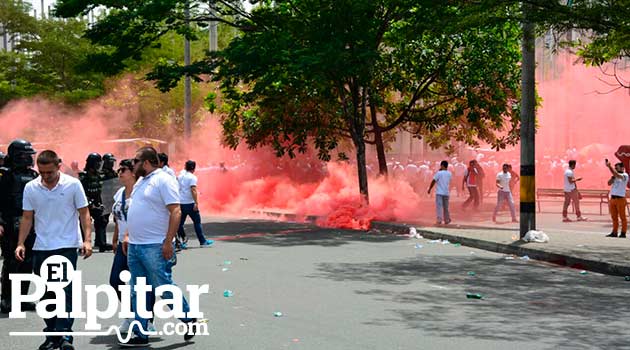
(193, 191)
(498, 183)
(86, 225)
(115, 237)
(173, 224)
(26, 224)
(613, 171)
(431, 186)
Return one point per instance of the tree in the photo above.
(603, 24)
(46, 57)
(311, 70)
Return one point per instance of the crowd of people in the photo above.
(49, 212)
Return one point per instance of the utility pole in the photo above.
(528, 126)
(43, 10)
(212, 33)
(187, 84)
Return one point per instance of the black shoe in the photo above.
(192, 331)
(5, 306)
(66, 345)
(135, 342)
(622, 235)
(29, 306)
(105, 248)
(49, 344)
(612, 234)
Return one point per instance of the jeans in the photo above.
(573, 196)
(188, 210)
(503, 196)
(618, 211)
(146, 260)
(57, 324)
(441, 205)
(474, 197)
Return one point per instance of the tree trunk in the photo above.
(378, 141)
(362, 171)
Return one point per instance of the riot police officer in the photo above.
(2, 157)
(109, 161)
(92, 180)
(14, 175)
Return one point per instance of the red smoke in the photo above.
(572, 116)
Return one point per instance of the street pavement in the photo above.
(342, 289)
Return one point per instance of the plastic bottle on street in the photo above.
(228, 293)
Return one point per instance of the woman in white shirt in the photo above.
(122, 200)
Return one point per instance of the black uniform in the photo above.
(13, 178)
(92, 181)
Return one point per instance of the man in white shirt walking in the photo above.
(164, 164)
(618, 203)
(55, 202)
(443, 180)
(571, 193)
(504, 194)
(189, 204)
(152, 222)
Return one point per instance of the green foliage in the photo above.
(47, 58)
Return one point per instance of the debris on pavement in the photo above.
(413, 233)
(228, 293)
(536, 236)
(471, 273)
(244, 259)
(224, 269)
(277, 314)
(509, 257)
(227, 262)
(583, 272)
(526, 258)
(474, 296)
(457, 245)
(418, 246)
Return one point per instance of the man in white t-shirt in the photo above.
(189, 203)
(571, 194)
(443, 181)
(152, 223)
(164, 164)
(618, 202)
(504, 194)
(56, 203)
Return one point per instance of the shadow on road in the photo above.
(286, 234)
(522, 300)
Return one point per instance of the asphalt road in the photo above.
(347, 290)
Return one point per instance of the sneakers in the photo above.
(134, 342)
(192, 331)
(125, 325)
(622, 235)
(184, 245)
(49, 344)
(207, 243)
(447, 222)
(438, 222)
(151, 327)
(65, 345)
(566, 220)
(580, 218)
(612, 234)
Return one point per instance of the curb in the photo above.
(512, 249)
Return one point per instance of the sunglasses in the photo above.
(122, 170)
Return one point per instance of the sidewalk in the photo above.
(580, 245)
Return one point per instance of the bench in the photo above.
(601, 195)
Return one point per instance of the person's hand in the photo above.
(167, 250)
(196, 207)
(429, 191)
(20, 253)
(607, 162)
(1, 230)
(86, 250)
(114, 246)
(578, 179)
(125, 245)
